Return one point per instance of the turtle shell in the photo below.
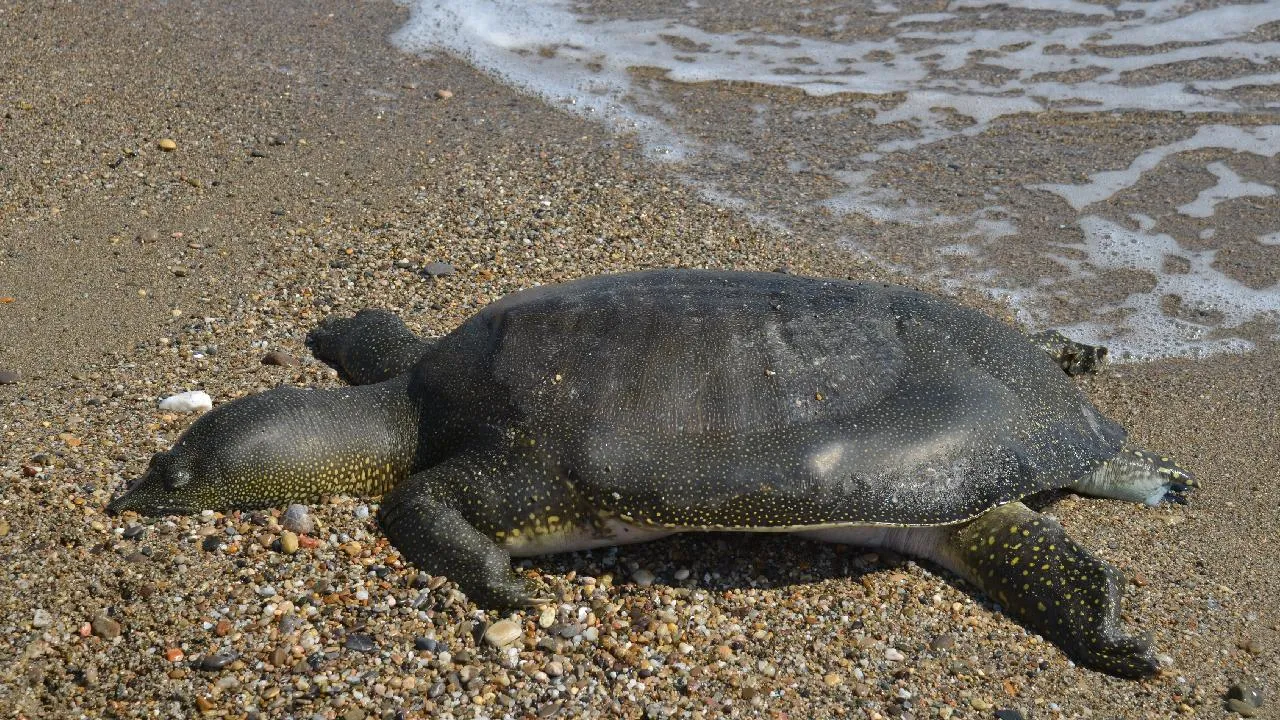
(725, 400)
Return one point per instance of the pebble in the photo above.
(279, 358)
(289, 542)
(502, 633)
(643, 577)
(979, 704)
(894, 655)
(682, 574)
(9, 377)
(167, 144)
(41, 618)
(438, 269)
(4, 528)
(547, 617)
(362, 512)
(425, 644)
(1009, 714)
(554, 668)
(135, 531)
(360, 642)
(105, 628)
(213, 663)
(945, 641)
(444, 94)
(297, 518)
(832, 679)
(1244, 699)
(188, 402)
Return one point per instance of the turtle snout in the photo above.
(157, 492)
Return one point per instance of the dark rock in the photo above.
(945, 641)
(210, 543)
(105, 628)
(9, 377)
(280, 358)
(135, 531)
(425, 644)
(213, 663)
(1009, 714)
(1244, 699)
(438, 269)
(360, 642)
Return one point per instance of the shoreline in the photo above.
(316, 171)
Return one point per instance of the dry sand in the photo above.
(317, 171)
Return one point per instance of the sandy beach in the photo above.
(187, 188)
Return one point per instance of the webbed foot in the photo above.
(1139, 476)
(1075, 358)
(1026, 562)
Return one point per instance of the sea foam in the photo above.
(912, 74)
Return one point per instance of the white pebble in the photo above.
(682, 574)
(547, 617)
(643, 577)
(41, 618)
(188, 402)
(362, 512)
(297, 518)
(892, 655)
(362, 594)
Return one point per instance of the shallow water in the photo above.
(1037, 151)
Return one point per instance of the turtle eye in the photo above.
(176, 477)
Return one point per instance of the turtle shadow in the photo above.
(738, 561)
(724, 563)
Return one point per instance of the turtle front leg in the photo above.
(1026, 562)
(436, 537)
(371, 346)
(1075, 358)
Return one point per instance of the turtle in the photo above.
(626, 407)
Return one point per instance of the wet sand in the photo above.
(316, 170)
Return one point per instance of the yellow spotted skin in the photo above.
(623, 407)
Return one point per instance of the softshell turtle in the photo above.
(623, 408)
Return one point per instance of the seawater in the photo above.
(874, 93)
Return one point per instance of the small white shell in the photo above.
(188, 402)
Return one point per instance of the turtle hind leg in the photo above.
(1075, 358)
(371, 346)
(423, 524)
(1026, 562)
(1138, 476)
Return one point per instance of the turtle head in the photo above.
(172, 485)
(234, 456)
(280, 446)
